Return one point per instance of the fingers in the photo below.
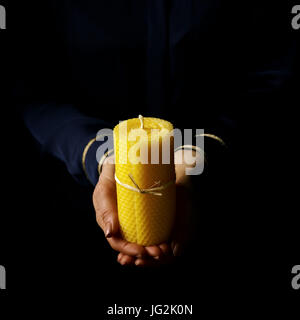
(127, 248)
(156, 256)
(105, 202)
(143, 262)
(154, 251)
(165, 248)
(147, 262)
(150, 262)
(125, 259)
(106, 211)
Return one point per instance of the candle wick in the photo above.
(142, 121)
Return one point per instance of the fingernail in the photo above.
(138, 263)
(122, 262)
(108, 232)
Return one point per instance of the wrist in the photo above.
(89, 161)
(189, 160)
(107, 158)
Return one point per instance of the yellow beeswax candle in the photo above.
(145, 191)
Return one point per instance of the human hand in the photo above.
(105, 204)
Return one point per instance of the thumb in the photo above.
(106, 212)
(105, 203)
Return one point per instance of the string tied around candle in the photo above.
(152, 190)
(212, 136)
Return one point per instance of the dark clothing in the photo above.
(191, 62)
(83, 65)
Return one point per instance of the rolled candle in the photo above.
(145, 217)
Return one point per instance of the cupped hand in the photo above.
(105, 204)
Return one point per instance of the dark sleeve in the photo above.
(64, 132)
(44, 90)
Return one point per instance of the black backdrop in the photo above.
(50, 243)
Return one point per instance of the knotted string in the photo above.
(152, 190)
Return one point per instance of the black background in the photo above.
(247, 240)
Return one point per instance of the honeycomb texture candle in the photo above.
(146, 217)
